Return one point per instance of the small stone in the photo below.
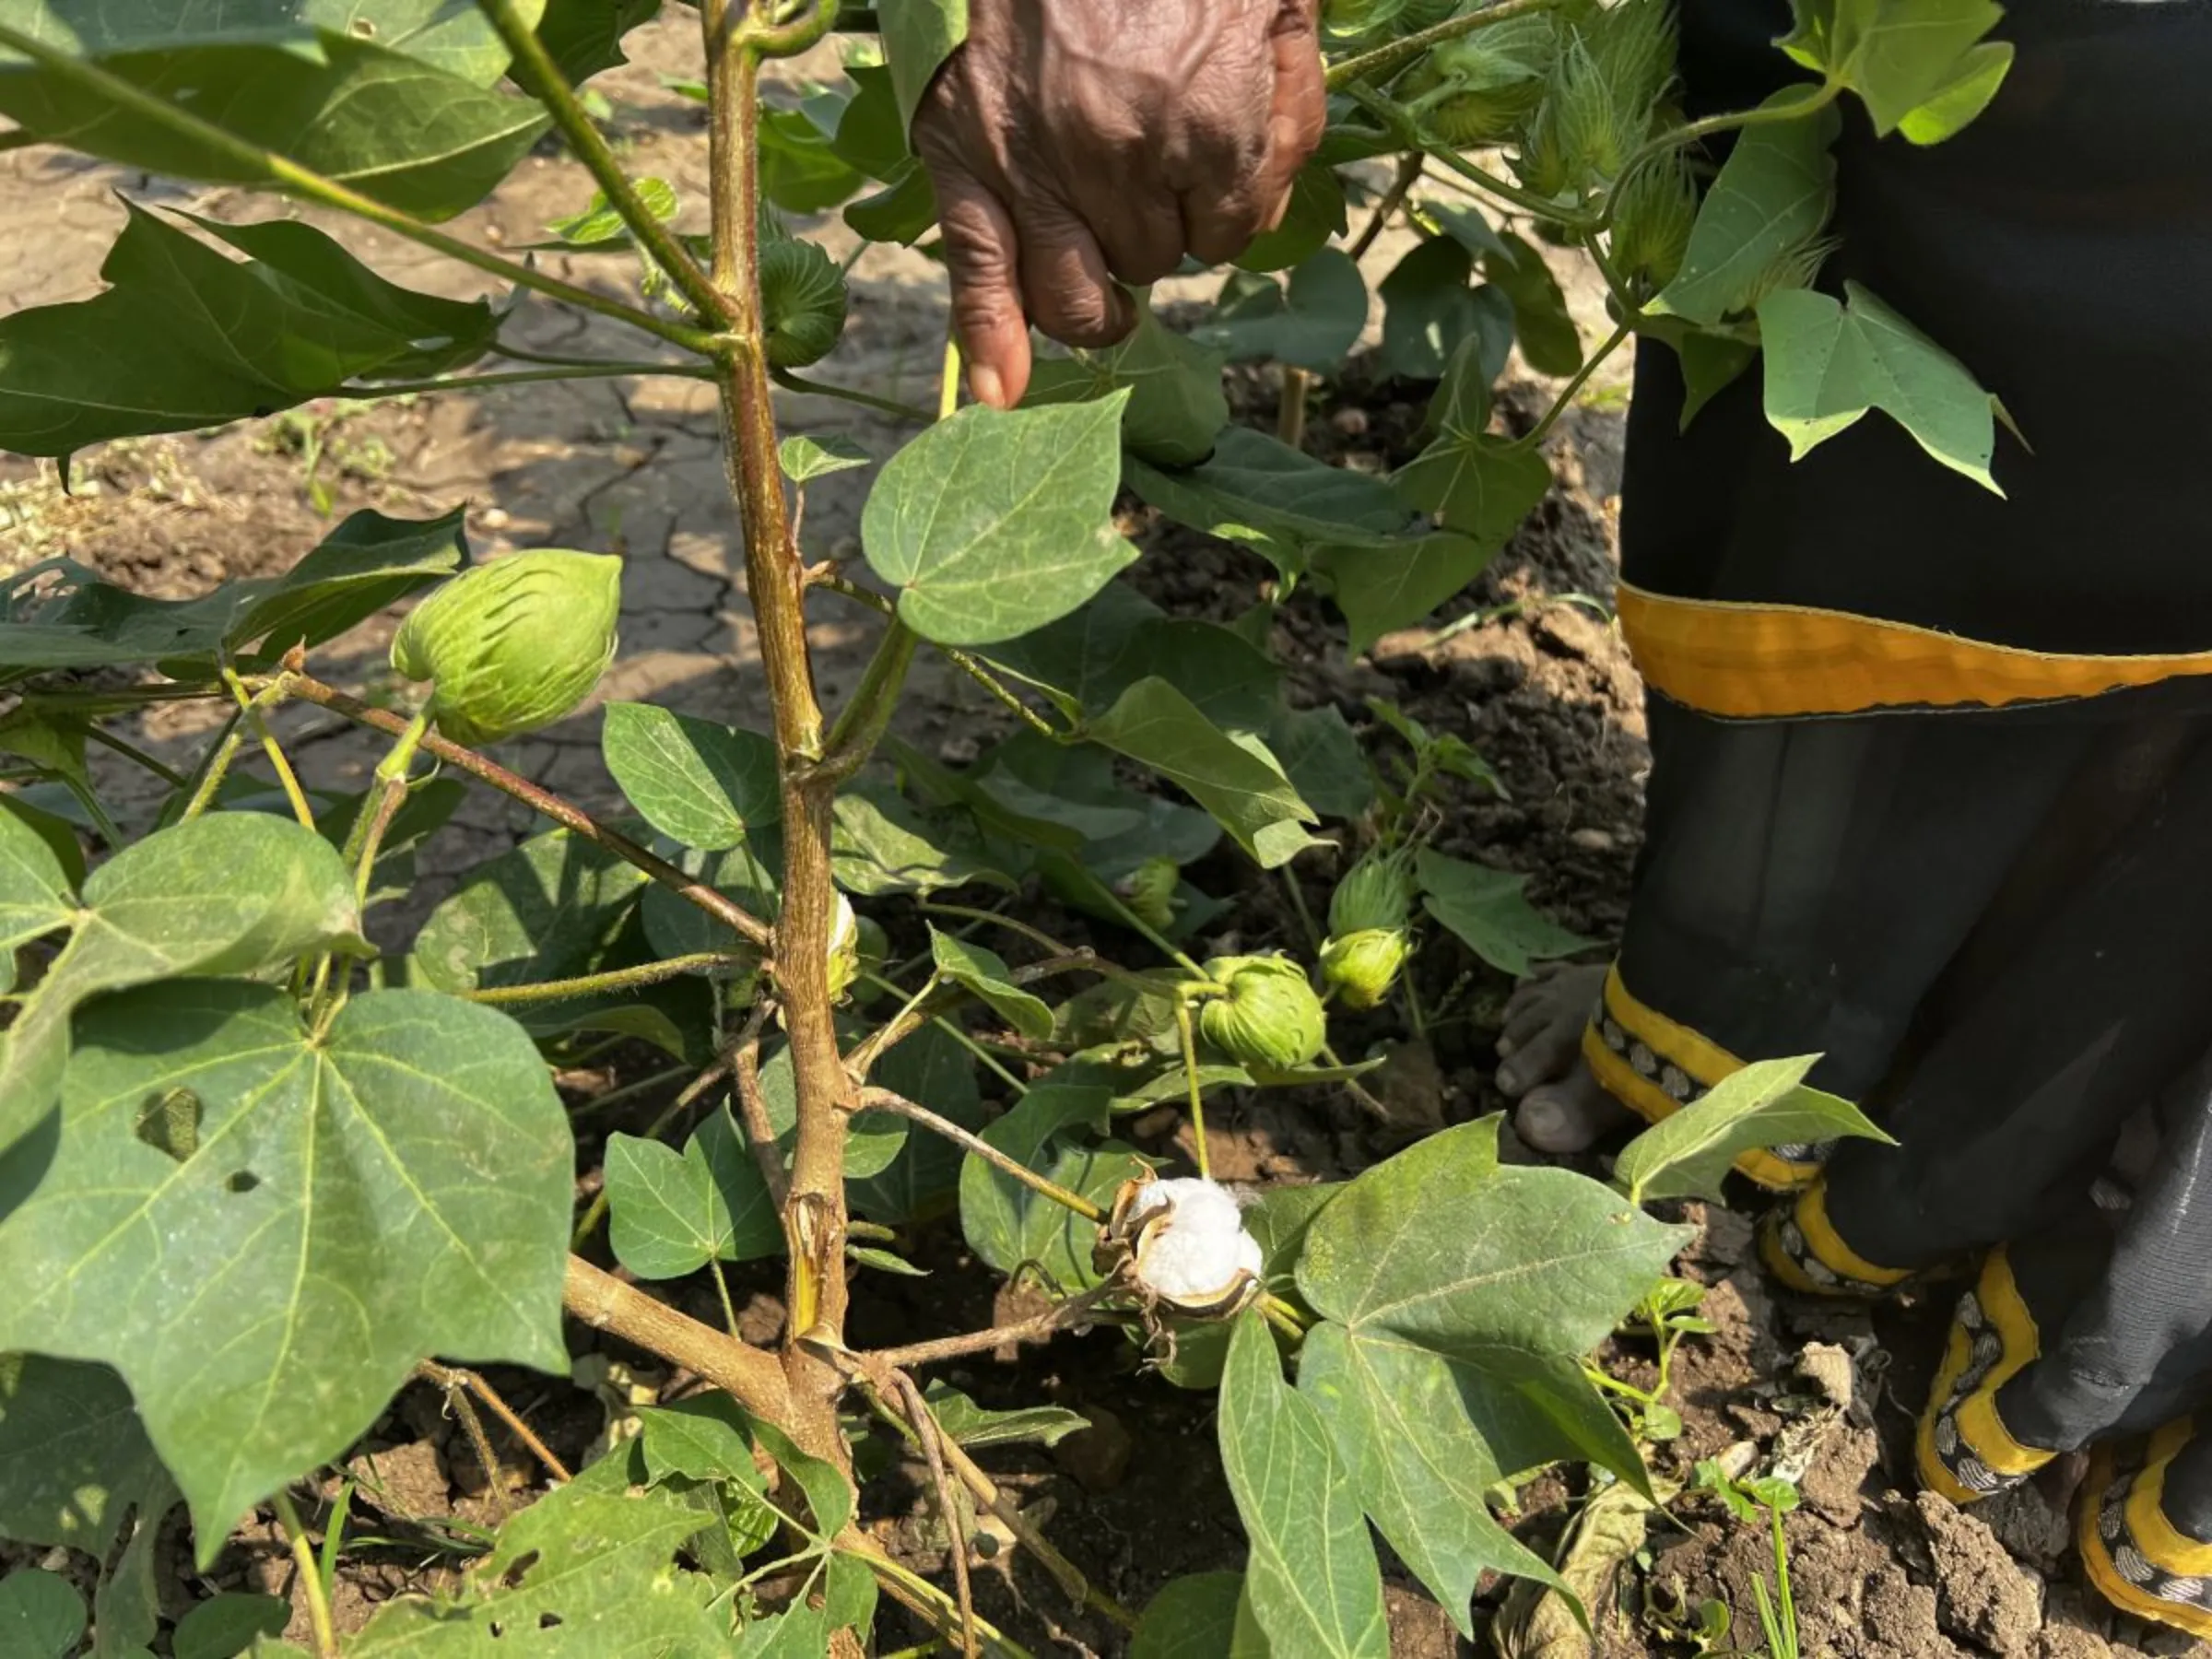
(1097, 1458)
(494, 518)
(1350, 422)
(959, 749)
(1828, 1369)
(1592, 840)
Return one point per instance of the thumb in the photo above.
(982, 256)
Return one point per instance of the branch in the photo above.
(116, 92)
(872, 1048)
(1384, 60)
(613, 979)
(866, 400)
(897, 1105)
(570, 817)
(1039, 1327)
(522, 377)
(748, 1375)
(551, 88)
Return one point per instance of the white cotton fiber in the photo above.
(1198, 1251)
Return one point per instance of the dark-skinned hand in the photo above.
(1076, 145)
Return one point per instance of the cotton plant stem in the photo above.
(961, 660)
(456, 1402)
(1041, 1328)
(752, 1115)
(1190, 1070)
(613, 979)
(311, 1576)
(551, 88)
(568, 817)
(751, 1376)
(1386, 60)
(897, 1105)
(932, 1440)
(250, 708)
(521, 377)
(450, 1377)
(1573, 389)
(1401, 187)
(804, 387)
(217, 767)
(257, 163)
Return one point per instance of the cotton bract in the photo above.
(515, 644)
(1360, 968)
(1270, 1016)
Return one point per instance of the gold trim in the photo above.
(2163, 1545)
(1753, 661)
(2096, 1560)
(1982, 1430)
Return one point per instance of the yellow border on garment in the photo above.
(1825, 1245)
(1704, 1061)
(2096, 1560)
(2163, 1545)
(1751, 661)
(1981, 1429)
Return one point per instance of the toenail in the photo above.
(1509, 1078)
(1505, 1046)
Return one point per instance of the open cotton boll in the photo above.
(1198, 1250)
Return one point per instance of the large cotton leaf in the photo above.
(186, 337)
(545, 910)
(229, 893)
(1919, 64)
(1176, 404)
(992, 524)
(1490, 913)
(1773, 196)
(695, 782)
(1313, 1580)
(370, 100)
(1007, 1223)
(670, 1213)
(263, 1230)
(1828, 362)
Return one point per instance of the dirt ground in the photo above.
(1543, 688)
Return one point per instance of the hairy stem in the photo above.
(542, 77)
(568, 817)
(450, 1377)
(522, 377)
(897, 1105)
(1542, 430)
(613, 979)
(249, 708)
(257, 163)
(866, 400)
(814, 1215)
(1387, 59)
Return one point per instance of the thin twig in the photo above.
(970, 667)
(884, 1099)
(250, 708)
(882, 405)
(452, 1376)
(613, 979)
(521, 377)
(752, 1112)
(1039, 1327)
(456, 1402)
(872, 1048)
(1401, 187)
(571, 818)
(956, 1535)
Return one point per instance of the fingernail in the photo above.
(1509, 1079)
(983, 380)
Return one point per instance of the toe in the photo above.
(1570, 1116)
(1545, 1058)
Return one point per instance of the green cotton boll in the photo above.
(1605, 91)
(1482, 88)
(514, 644)
(802, 303)
(1149, 892)
(1652, 214)
(1361, 967)
(1376, 892)
(1270, 1016)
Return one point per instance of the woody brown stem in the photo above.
(749, 1375)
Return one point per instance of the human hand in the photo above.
(1074, 142)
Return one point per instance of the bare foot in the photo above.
(1562, 1107)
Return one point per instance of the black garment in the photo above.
(1993, 922)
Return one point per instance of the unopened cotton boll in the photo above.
(1197, 1252)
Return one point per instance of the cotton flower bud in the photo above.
(1482, 88)
(514, 644)
(1376, 892)
(1652, 214)
(1270, 1016)
(802, 303)
(1150, 891)
(1187, 1246)
(1360, 968)
(845, 948)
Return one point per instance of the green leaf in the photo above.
(1176, 402)
(1474, 483)
(395, 1186)
(186, 337)
(905, 211)
(1774, 195)
(227, 1625)
(35, 898)
(707, 1436)
(1489, 911)
(696, 783)
(1189, 1618)
(1405, 1426)
(1710, 363)
(1429, 309)
(395, 127)
(803, 459)
(1313, 1578)
(880, 845)
(986, 975)
(1444, 1247)
(1086, 660)
(585, 1573)
(456, 39)
(1315, 213)
(973, 1425)
(1541, 322)
(670, 1214)
(601, 224)
(992, 524)
(870, 132)
(1008, 1224)
(1828, 362)
(1905, 58)
(545, 910)
(41, 1616)
(584, 37)
(1282, 503)
(800, 173)
(872, 1140)
(232, 892)
(366, 564)
(1689, 1154)
(1235, 779)
(1324, 760)
(918, 36)
(1314, 325)
(931, 1069)
(1380, 589)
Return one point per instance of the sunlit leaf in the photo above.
(933, 1070)
(543, 911)
(1828, 362)
(1008, 1224)
(1542, 324)
(1489, 913)
(1176, 404)
(670, 1213)
(1315, 213)
(986, 975)
(1915, 62)
(918, 36)
(1774, 193)
(696, 783)
(992, 524)
(880, 845)
(803, 458)
(351, 1201)
(1689, 1155)
(971, 1424)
